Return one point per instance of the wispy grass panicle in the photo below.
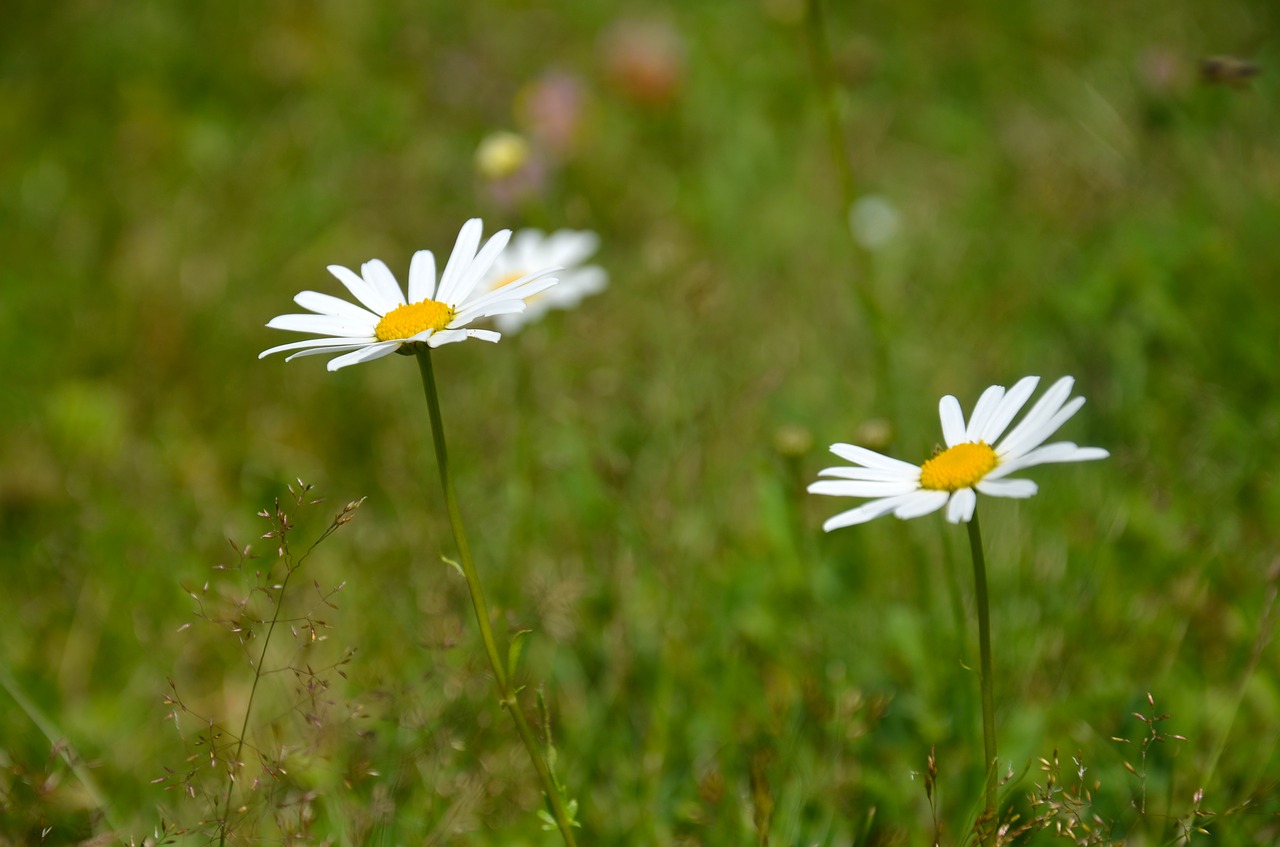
(236, 779)
(1063, 804)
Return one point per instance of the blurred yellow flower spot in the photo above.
(408, 321)
(501, 154)
(961, 466)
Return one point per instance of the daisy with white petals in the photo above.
(385, 321)
(972, 462)
(565, 249)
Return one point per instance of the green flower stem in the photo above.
(508, 697)
(988, 696)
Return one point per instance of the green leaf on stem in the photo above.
(515, 649)
(451, 563)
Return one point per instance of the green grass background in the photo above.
(1072, 201)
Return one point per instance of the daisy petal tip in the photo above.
(838, 522)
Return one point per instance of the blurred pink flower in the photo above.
(645, 60)
(552, 110)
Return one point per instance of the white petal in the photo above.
(448, 336)
(499, 307)
(866, 512)
(583, 281)
(872, 459)
(511, 323)
(1044, 419)
(526, 245)
(1020, 488)
(872, 474)
(952, 420)
(574, 285)
(986, 406)
(323, 325)
(383, 283)
(1008, 408)
(327, 304)
(520, 289)
(368, 354)
(360, 289)
(318, 342)
(325, 351)
(484, 335)
(960, 508)
(1059, 451)
(923, 503)
(422, 276)
(480, 266)
(464, 250)
(1022, 442)
(861, 488)
(569, 247)
(502, 307)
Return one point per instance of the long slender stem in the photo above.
(988, 686)
(1266, 624)
(224, 826)
(59, 741)
(820, 55)
(825, 77)
(508, 697)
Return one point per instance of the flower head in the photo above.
(976, 458)
(501, 155)
(564, 249)
(385, 321)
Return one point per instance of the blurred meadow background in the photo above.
(1051, 188)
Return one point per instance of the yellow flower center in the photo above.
(408, 321)
(961, 466)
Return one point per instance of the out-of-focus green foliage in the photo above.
(1071, 198)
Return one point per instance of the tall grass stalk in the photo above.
(989, 814)
(508, 697)
(50, 731)
(1266, 626)
(828, 95)
(281, 534)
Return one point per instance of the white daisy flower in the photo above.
(973, 461)
(433, 316)
(565, 249)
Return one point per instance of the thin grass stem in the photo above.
(989, 814)
(248, 710)
(828, 91)
(508, 697)
(291, 566)
(58, 740)
(1266, 625)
